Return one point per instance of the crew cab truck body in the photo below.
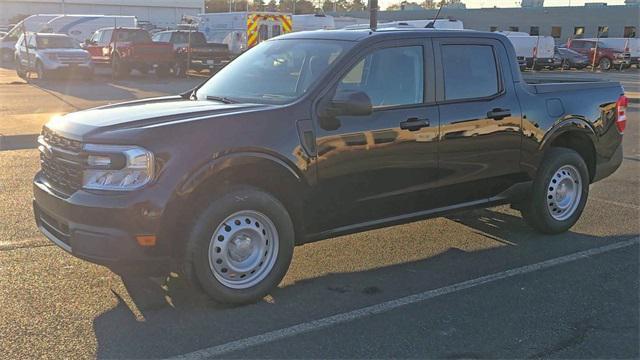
(317, 134)
(193, 52)
(125, 49)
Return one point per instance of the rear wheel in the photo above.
(559, 192)
(240, 246)
(604, 64)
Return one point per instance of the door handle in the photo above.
(414, 124)
(498, 113)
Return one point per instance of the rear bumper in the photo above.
(98, 229)
(607, 167)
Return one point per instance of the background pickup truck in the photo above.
(312, 135)
(125, 49)
(198, 56)
(605, 57)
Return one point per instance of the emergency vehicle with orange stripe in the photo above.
(243, 30)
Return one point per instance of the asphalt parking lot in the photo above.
(479, 284)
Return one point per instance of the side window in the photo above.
(96, 36)
(156, 37)
(105, 39)
(470, 71)
(32, 41)
(390, 77)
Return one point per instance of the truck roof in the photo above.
(399, 33)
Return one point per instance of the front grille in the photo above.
(71, 59)
(61, 162)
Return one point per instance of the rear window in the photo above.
(135, 36)
(469, 71)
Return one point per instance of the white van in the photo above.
(630, 45)
(82, 27)
(32, 23)
(528, 48)
(310, 22)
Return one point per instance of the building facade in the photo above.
(560, 22)
(161, 13)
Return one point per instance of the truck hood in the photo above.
(136, 114)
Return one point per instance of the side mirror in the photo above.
(344, 103)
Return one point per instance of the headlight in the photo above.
(619, 56)
(115, 167)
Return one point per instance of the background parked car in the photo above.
(199, 55)
(570, 59)
(630, 45)
(125, 49)
(605, 57)
(48, 53)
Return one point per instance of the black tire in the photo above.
(20, 71)
(605, 64)
(196, 267)
(42, 73)
(180, 69)
(119, 69)
(535, 210)
(163, 71)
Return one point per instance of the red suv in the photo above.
(605, 57)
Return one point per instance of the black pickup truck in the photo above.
(312, 135)
(193, 52)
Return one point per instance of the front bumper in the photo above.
(100, 229)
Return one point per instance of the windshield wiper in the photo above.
(222, 99)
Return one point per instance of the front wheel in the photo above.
(604, 64)
(240, 246)
(559, 192)
(42, 73)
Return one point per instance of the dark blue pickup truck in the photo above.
(312, 135)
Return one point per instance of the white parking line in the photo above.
(394, 304)
(616, 203)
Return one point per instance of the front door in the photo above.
(384, 164)
(480, 120)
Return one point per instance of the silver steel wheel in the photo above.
(564, 192)
(243, 249)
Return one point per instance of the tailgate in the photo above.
(153, 51)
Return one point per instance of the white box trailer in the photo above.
(243, 30)
(82, 27)
(530, 48)
(309, 22)
(630, 45)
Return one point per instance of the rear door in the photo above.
(480, 120)
(383, 164)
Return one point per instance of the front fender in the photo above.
(227, 161)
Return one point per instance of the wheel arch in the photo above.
(264, 171)
(576, 134)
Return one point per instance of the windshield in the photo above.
(274, 72)
(56, 42)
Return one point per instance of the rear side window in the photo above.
(470, 71)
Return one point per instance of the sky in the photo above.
(513, 3)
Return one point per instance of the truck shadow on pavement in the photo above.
(176, 320)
